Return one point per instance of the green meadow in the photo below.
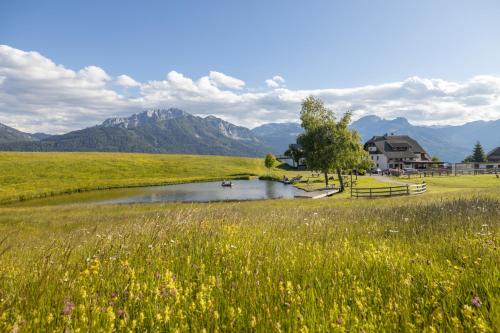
(427, 263)
(32, 175)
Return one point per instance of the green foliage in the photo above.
(295, 152)
(478, 155)
(468, 159)
(329, 145)
(435, 159)
(322, 266)
(31, 175)
(269, 161)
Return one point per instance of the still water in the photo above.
(193, 192)
(210, 191)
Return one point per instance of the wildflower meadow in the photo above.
(422, 265)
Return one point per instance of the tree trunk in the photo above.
(341, 180)
(326, 178)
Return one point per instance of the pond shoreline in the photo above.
(45, 195)
(203, 191)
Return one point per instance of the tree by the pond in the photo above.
(295, 152)
(329, 145)
(478, 154)
(269, 161)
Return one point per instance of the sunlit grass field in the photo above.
(31, 175)
(280, 265)
(414, 264)
(26, 176)
(461, 181)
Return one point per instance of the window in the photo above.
(377, 158)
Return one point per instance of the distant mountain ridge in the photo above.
(143, 118)
(176, 131)
(450, 143)
(155, 131)
(9, 134)
(278, 135)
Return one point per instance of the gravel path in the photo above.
(388, 180)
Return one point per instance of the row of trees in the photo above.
(327, 144)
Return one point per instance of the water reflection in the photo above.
(204, 192)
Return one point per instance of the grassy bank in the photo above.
(32, 175)
(426, 264)
(38, 175)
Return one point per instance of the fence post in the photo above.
(408, 189)
(390, 190)
(370, 192)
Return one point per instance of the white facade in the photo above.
(379, 161)
(488, 165)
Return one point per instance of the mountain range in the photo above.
(9, 134)
(175, 131)
(449, 143)
(154, 131)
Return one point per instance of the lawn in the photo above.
(36, 175)
(461, 181)
(31, 175)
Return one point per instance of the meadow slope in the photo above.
(26, 176)
(31, 175)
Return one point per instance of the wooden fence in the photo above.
(428, 173)
(377, 192)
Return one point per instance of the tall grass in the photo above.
(255, 266)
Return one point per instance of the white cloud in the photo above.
(276, 82)
(126, 81)
(38, 95)
(223, 80)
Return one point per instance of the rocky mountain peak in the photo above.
(148, 116)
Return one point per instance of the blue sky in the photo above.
(311, 44)
(314, 44)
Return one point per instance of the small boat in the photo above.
(227, 184)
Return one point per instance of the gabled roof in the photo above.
(494, 154)
(389, 145)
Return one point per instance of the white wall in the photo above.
(382, 161)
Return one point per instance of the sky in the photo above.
(66, 65)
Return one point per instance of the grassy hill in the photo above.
(29, 175)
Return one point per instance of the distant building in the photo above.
(494, 155)
(493, 162)
(397, 152)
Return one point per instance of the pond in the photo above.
(253, 189)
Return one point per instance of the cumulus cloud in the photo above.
(126, 81)
(222, 80)
(275, 82)
(38, 95)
